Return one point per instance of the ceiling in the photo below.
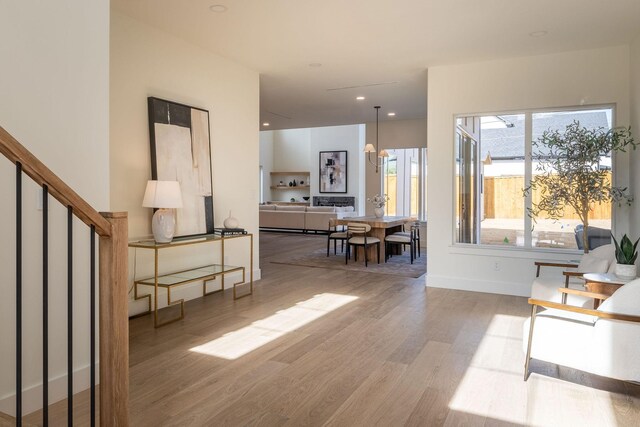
(379, 49)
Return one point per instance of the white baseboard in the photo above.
(32, 396)
(488, 286)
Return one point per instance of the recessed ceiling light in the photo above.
(391, 114)
(315, 65)
(218, 8)
(265, 124)
(360, 98)
(538, 34)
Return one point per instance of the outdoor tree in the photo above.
(569, 173)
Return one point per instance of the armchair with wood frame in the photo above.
(603, 341)
(569, 275)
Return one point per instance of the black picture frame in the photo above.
(180, 140)
(333, 173)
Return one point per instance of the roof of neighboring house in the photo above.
(507, 143)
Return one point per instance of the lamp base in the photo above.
(163, 225)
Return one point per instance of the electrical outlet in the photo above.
(496, 266)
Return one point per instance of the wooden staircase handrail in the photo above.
(42, 175)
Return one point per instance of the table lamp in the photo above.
(166, 196)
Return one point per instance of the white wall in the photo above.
(598, 76)
(298, 150)
(147, 62)
(391, 134)
(635, 129)
(54, 90)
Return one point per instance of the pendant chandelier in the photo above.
(369, 148)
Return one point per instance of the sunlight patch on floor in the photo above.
(242, 341)
(492, 383)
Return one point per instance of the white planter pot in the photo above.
(378, 212)
(626, 271)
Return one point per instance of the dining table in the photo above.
(380, 227)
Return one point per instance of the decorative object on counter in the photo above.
(293, 199)
(305, 198)
(378, 203)
(626, 255)
(230, 222)
(369, 148)
(290, 183)
(333, 171)
(294, 183)
(301, 182)
(180, 151)
(229, 231)
(281, 184)
(165, 196)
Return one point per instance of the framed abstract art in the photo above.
(333, 171)
(181, 151)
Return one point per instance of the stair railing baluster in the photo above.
(45, 305)
(18, 294)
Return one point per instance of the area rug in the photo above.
(398, 265)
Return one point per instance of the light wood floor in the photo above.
(395, 353)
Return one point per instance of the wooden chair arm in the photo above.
(540, 264)
(573, 273)
(587, 294)
(555, 264)
(587, 311)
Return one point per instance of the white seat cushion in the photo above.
(591, 263)
(360, 240)
(626, 300)
(338, 235)
(546, 289)
(398, 239)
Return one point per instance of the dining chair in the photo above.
(414, 233)
(400, 239)
(335, 235)
(357, 236)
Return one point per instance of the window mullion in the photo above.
(528, 174)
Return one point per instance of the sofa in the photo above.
(302, 218)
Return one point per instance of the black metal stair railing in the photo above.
(107, 297)
(45, 308)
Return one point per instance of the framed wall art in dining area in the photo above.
(333, 171)
(181, 151)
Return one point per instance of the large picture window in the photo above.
(493, 164)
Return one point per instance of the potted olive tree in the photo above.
(626, 255)
(569, 173)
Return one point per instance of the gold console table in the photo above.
(203, 273)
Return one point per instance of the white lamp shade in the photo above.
(383, 153)
(162, 194)
(369, 148)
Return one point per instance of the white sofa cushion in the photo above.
(267, 207)
(626, 300)
(320, 209)
(291, 208)
(593, 264)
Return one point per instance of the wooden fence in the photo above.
(503, 198)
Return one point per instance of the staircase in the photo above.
(108, 305)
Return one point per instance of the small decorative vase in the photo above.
(626, 271)
(231, 222)
(378, 212)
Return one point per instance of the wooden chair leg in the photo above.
(378, 251)
(335, 247)
(346, 255)
(328, 242)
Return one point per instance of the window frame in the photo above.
(462, 248)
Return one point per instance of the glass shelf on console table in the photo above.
(202, 273)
